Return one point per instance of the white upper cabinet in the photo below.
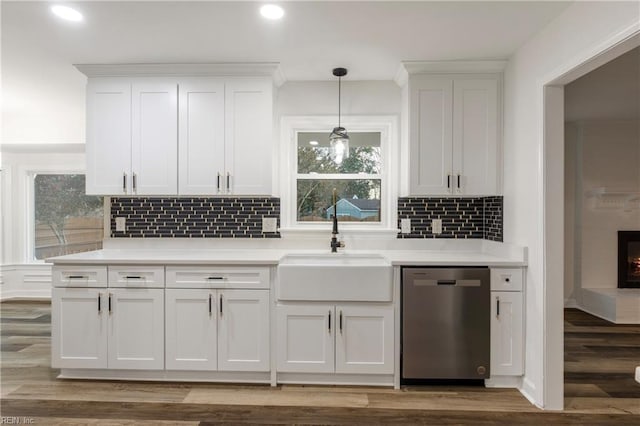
(431, 136)
(475, 136)
(154, 137)
(201, 136)
(159, 132)
(454, 131)
(225, 136)
(132, 137)
(248, 134)
(108, 147)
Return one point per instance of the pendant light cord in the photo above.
(339, 98)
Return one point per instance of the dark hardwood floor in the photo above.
(599, 389)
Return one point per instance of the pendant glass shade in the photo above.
(339, 143)
(339, 139)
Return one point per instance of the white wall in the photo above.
(574, 37)
(609, 157)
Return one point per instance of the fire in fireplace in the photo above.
(628, 259)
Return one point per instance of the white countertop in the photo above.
(270, 256)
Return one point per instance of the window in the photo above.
(354, 174)
(359, 174)
(66, 220)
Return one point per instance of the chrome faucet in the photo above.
(334, 233)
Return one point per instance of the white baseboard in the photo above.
(27, 281)
(528, 390)
(571, 303)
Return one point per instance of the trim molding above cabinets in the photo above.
(180, 129)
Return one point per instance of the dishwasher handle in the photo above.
(446, 282)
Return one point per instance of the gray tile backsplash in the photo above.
(466, 217)
(197, 217)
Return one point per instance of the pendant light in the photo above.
(339, 139)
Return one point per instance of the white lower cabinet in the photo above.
(79, 328)
(226, 330)
(108, 328)
(136, 329)
(328, 338)
(191, 329)
(507, 357)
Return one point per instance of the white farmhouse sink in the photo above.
(335, 277)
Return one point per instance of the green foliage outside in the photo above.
(314, 196)
(58, 197)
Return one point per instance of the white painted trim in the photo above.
(504, 382)
(166, 375)
(42, 148)
(528, 390)
(25, 281)
(336, 379)
(228, 69)
(550, 221)
(387, 125)
(571, 303)
(464, 67)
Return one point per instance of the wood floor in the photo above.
(599, 389)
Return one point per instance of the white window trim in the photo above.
(389, 143)
(30, 208)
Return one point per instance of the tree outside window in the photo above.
(66, 219)
(356, 178)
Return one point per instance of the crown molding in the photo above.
(223, 69)
(462, 67)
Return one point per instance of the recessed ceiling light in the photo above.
(314, 143)
(66, 13)
(272, 11)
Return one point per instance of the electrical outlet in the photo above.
(269, 224)
(121, 224)
(436, 226)
(405, 226)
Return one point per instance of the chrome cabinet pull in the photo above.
(124, 182)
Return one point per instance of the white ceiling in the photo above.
(610, 92)
(369, 38)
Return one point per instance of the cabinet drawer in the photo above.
(506, 279)
(217, 277)
(79, 276)
(136, 276)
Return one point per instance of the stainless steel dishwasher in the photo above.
(445, 323)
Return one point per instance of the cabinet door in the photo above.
(154, 143)
(136, 329)
(79, 328)
(201, 136)
(108, 146)
(506, 334)
(475, 136)
(243, 334)
(305, 338)
(248, 136)
(364, 339)
(430, 162)
(191, 331)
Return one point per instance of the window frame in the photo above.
(386, 125)
(31, 174)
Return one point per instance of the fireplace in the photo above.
(628, 259)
